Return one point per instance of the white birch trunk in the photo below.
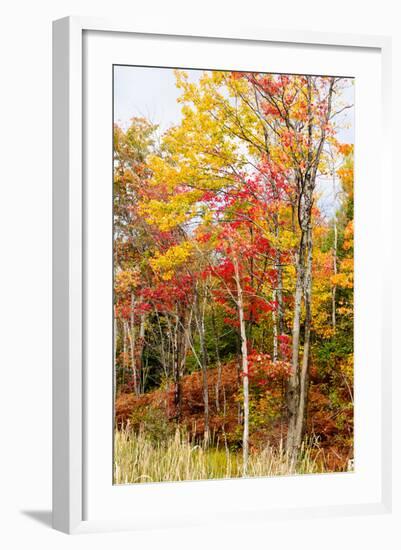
(245, 370)
(334, 290)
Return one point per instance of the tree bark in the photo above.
(293, 382)
(297, 390)
(140, 350)
(304, 373)
(334, 290)
(126, 331)
(175, 362)
(277, 312)
(200, 323)
(275, 328)
(297, 386)
(219, 369)
(179, 338)
(132, 340)
(245, 370)
(177, 369)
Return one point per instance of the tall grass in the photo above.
(137, 459)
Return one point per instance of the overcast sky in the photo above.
(151, 92)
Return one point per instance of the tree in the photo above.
(131, 148)
(220, 226)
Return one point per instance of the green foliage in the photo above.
(208, 245)
(153, 422)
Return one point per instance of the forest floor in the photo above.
(152, 445)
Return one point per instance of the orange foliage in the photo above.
(334, 434)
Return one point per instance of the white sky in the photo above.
(151, 92)
(148, 92)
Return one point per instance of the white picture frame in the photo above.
(69, 258)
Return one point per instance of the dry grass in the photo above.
(139, 460)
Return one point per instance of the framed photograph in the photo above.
(217, 197)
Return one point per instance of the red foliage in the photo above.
(166, 295)
(265, 377)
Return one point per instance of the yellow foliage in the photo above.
(165, 264)
(344, 280)
(168, 215)
(345, 149)
(347, 368)
(349, 236)
(126, 281)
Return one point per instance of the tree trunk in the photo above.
(297, 384)
(141, 346)
(293, 382)
(179, 339)
(280, 305)
(277, 312)
(200, 322)
(174, 362)
(163, 354)
(297, 391)
(304, 372)
(132, 339)
(177, 369)
(275, 328)
(126, 331)
(245, 371)
(219, 369)
(334, 290)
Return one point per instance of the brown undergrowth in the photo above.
(329, 425)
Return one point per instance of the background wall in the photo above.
(25, 219)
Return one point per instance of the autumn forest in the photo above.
(233, 277)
